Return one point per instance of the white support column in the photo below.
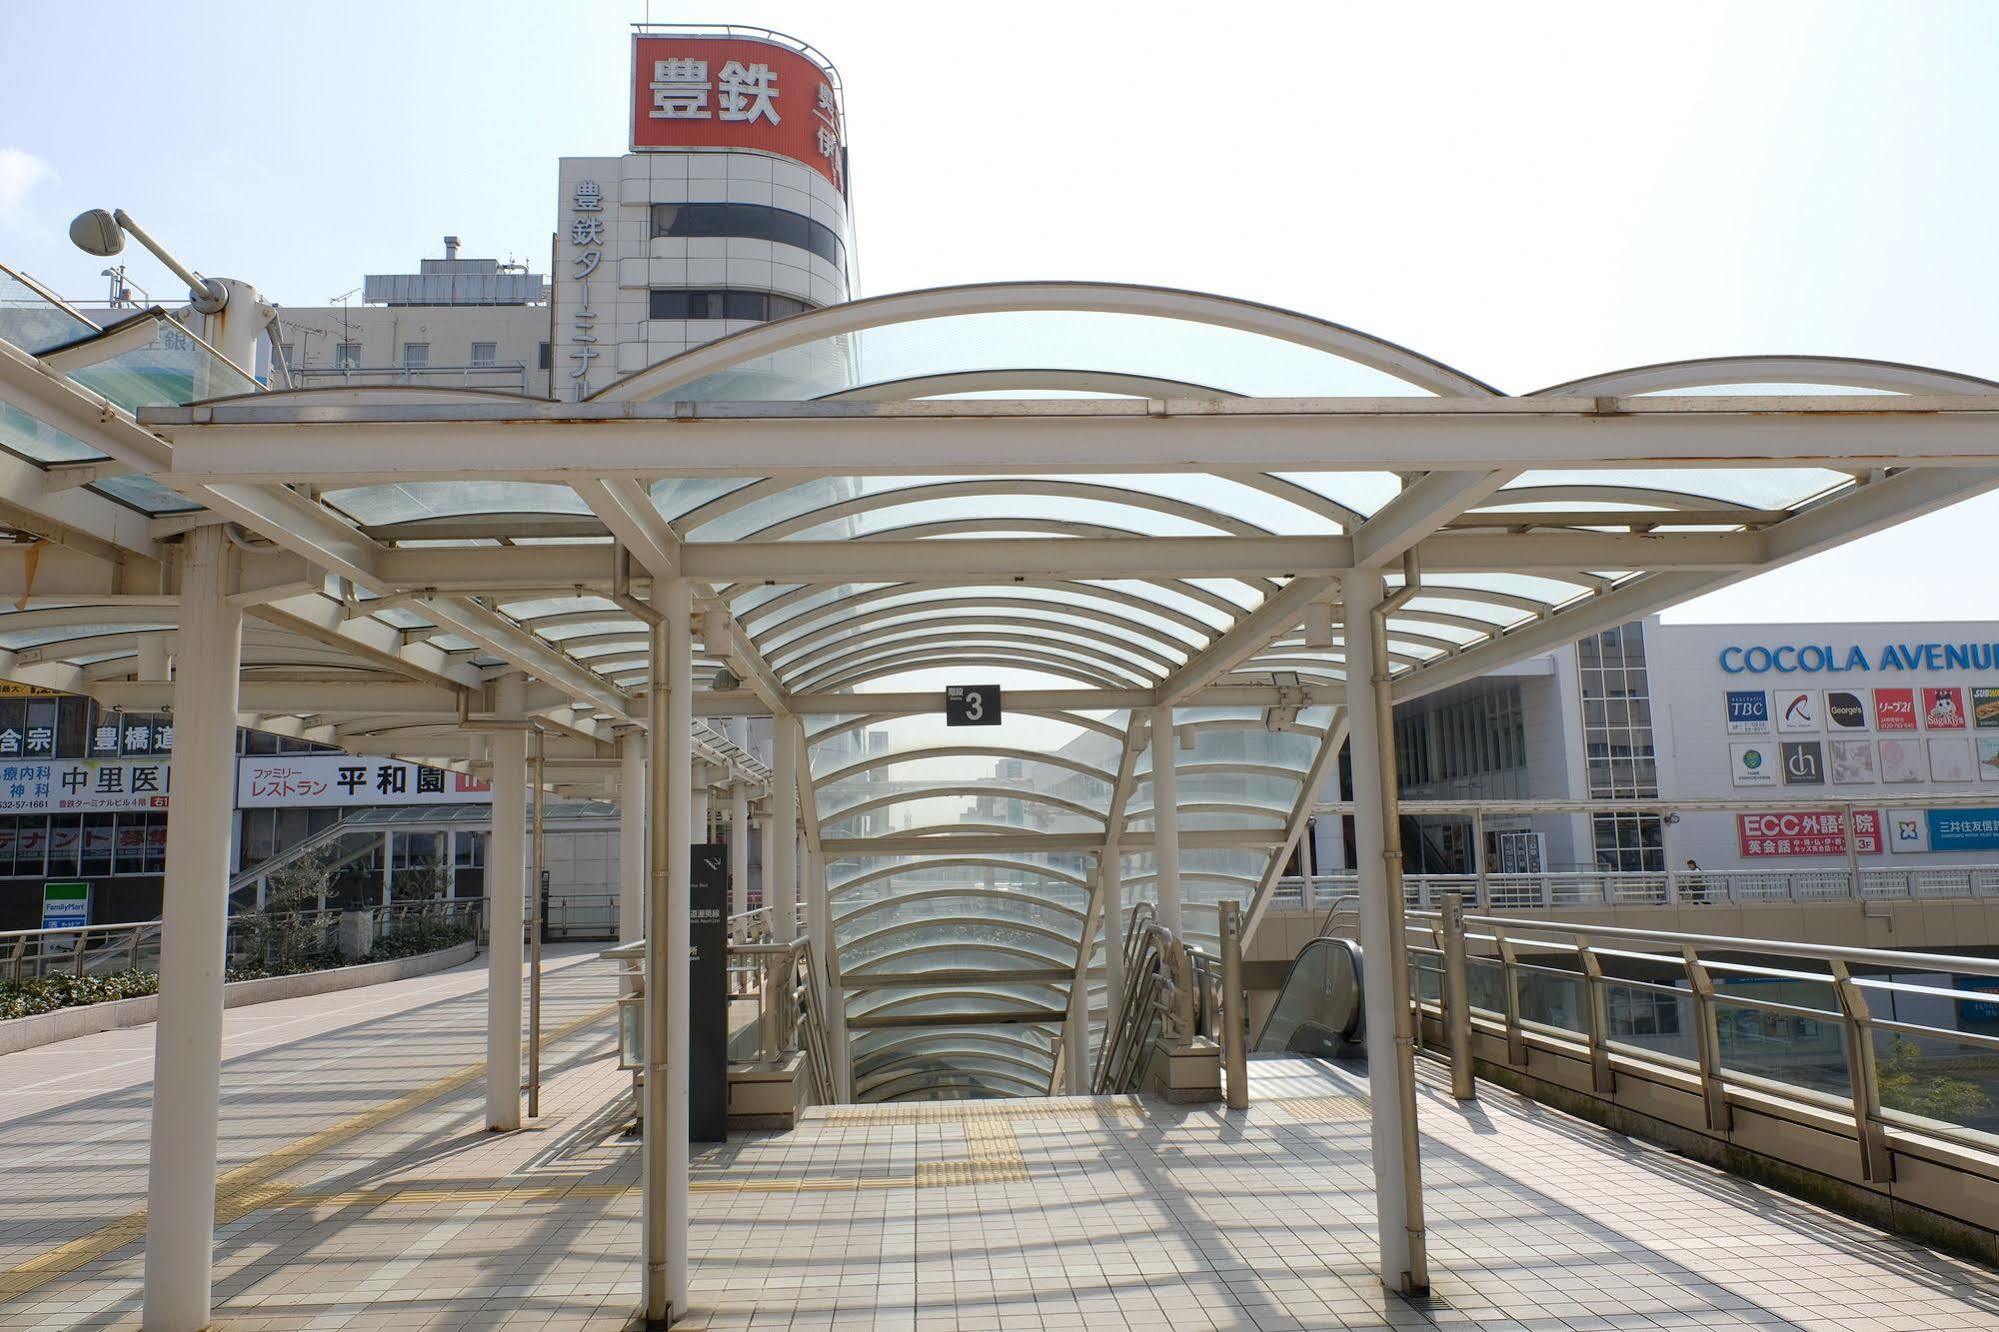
(1111, 872)
(697, 805)
(187, 1044)
(1166, 817)
(668, 941)
(781, 892)
(388, 866)
(767, 856)
(739, 848)
(506, 890)
(631, 836)
(1362, 594)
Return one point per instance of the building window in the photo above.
(485, 353)
(541, 359)
(1618, 746)
(347, 356)
(750, 222)
(416, 355)
(754, 306)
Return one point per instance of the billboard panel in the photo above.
(1809, 832)
(733, 92)
(291, 781)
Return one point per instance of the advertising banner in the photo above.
(1748, 712)
(291, 781)
(1902, 761)
(58, 786)
(1798, 709)
(1908, 830)
(711, 92)
(1943, 709)
(1894, 709)
(1950, 759)
(1985, 707)
(1845, 710)
(1988, 759)
(1753, 764)
(1963, 829)
(1853, 762)
(1804, 763)
(1811, 832)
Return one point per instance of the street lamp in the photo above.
(102, 233)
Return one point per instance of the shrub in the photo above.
(420, 934)
(45, 994)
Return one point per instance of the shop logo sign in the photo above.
(1943, 709)
(1895, 709)
(1748, 712)
(1752, 765)
(1985, 707)
(1804, 763)
(1844, 711)
(1798, 710)
(1908, 830)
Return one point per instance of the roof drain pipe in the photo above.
(1398, 951)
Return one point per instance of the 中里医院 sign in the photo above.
(287, 781)
(733, 92)
(1808, 832)
(58, 786)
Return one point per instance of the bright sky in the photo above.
(1529, 192)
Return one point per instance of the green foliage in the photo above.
(417, 935)
(1905, 1086)
(45, 994)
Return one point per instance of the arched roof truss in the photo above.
(860, 534)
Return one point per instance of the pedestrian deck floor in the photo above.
(360, 1190)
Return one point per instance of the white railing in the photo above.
(1571, 888)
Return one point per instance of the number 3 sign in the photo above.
(972, 705)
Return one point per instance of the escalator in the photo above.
(1318, 1010)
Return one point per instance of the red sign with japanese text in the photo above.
(1811, 832)
(715, 92)
(1943, 709)
(1894, 709)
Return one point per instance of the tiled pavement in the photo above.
(982, 1218)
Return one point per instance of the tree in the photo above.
(285, 931)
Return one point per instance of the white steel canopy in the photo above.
(1106, 499)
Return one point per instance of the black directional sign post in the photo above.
(708, 995)
(972, 705)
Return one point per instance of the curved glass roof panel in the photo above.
(1233, 360)
(34, 323)
(417, 501)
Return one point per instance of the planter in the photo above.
(67, 1023)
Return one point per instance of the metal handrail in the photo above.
(1524, 948)
(1176, 992)
(25, 953)
(1677, 887)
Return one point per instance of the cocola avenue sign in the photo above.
(1823, 658)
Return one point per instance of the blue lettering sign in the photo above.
(1963, 829)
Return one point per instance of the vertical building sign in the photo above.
(585, 236)
(708, 994)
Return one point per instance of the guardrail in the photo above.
(787, 1009)
(253, 940)
(1515, 892)
(1884, 1043)
(1175, 992)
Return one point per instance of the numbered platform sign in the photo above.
(972, 705)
